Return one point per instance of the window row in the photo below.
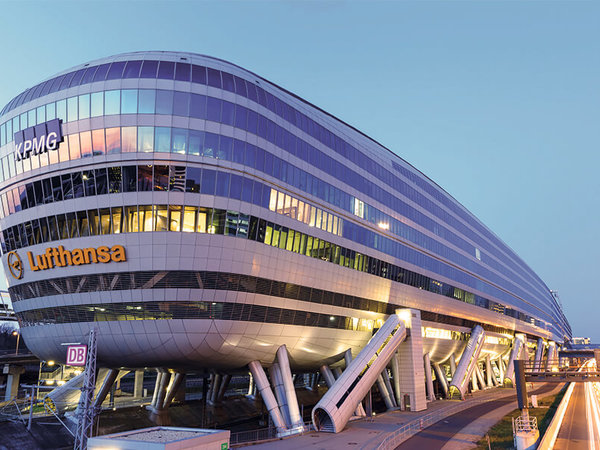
(224, 184)
(183, 141)
(189, 310)
(225, 281)
(199, 74)
(148, 218)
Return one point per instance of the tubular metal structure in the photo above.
(468, 361)
(336, 407)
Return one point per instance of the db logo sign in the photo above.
(76, 355)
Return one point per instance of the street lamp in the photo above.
(18, 335)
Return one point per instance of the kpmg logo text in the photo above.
(38, 139)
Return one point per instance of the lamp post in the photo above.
(18, 335)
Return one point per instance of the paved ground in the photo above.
(365, 434)
(573, 433)
(462, 430)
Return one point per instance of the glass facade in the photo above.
(274, 151)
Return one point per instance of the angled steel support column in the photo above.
(501, 370)
(428, 377)
(474, 385)
(384, 393)
(260, 378)
(109, 380)
(224, 385)
(552, 356)
(339, 403)
(250, 386)
(214, 388)
(174, 386)
(327, 375)
(159, 375)
(441, 376)
(518, 343)
(452, 360)
(480, 377)
(539, 355)
(388, 386)
(467, 363)
(289, 389)
(489, 375)
(279, 390)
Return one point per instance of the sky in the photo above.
(496, 101)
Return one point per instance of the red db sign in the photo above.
(76, 355)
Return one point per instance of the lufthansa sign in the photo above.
(61, 257)
(38, 139)
(15, 265)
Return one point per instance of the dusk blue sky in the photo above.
(498, 102)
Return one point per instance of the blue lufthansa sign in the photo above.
(38, 139)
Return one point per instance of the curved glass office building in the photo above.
(199, 215)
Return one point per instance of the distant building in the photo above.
(581, 341)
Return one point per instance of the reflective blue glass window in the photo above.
(132, 69)
(247, 190)
(183, 71)
(162, 139)
(129, 101)
(112, 102)
(196, 141)
(41, 114)
(84, 106)
(240, 87)
(208, 181)
(241, 115)
(225, 148)
(149, 69)
(213, 109)
(214, 78)
(181, 103)
(227, 113)
(31, 117)
(192, 181)
(65, 81)
(100, 74)
(88, 76)
(211, 144)
(164, 102)
(116, 70)
(166, 70)
(145, 139)
(146, 99)
(198, 106)
(71, 109)
(228, 82)
(97, 101)
(235, 190)
(222, 184)
(199, 74)
(180, 137)
(76, 80)
(238, 151)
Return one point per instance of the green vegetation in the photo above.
(501, 435)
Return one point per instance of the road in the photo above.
(581, 425)
(439, 434)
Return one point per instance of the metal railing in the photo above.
(407, 431)
(526, 424)
(263, 434)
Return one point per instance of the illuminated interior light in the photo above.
(384, 225)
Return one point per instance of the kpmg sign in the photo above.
(38, 139)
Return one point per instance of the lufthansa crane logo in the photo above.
(15, 265)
